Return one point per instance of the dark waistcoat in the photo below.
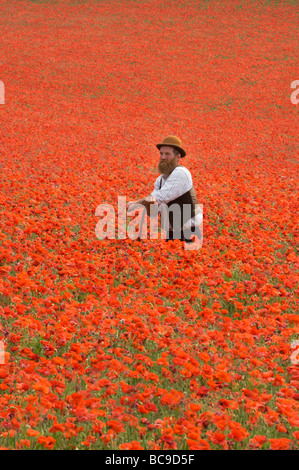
(177, 218)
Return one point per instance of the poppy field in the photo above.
(126, 344)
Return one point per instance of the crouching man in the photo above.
(173, 195)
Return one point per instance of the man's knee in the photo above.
(192, 231)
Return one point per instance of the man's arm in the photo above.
(147, 201)
(144, 201)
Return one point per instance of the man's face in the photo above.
(168, 161)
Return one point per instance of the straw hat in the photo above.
(173, 141)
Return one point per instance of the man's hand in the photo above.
(149, 200)
(131, 205)
(151, 205)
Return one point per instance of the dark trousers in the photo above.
(184, 237)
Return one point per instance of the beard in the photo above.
(165, 167)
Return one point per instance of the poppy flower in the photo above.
(46, 441)
(280, 444)
(147, 344)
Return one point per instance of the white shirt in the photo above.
(177, 183)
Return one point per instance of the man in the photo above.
(174, 191)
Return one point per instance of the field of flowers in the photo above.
(120, 344)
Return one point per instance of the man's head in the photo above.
(169, 159)
(170, 152)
